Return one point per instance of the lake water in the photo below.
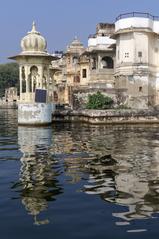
(55, 182)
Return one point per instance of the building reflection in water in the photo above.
(133, 182)
(38, 183)
(73, 149)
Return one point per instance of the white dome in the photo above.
(33, 42)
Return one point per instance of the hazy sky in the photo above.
(60, 20)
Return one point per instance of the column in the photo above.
(40, 71)
(99, 62)
(26, 78)
(48, 84)
(20, 79)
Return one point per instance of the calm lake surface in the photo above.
(54, 182)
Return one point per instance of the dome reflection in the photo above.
(38, 180)
(130, 183)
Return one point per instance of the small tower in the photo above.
(35, 106)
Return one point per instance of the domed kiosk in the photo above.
(36, 88)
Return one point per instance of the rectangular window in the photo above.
(140, 89)
(84, 73)
(126, 55)
(139, 53)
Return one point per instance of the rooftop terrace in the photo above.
(137, 14)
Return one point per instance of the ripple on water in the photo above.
(93, 177)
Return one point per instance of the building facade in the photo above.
(121, 60)
(11, 95)
(137, 58)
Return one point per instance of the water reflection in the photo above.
(72, 148)
(132, 182)
(127, 176)
(38, 181)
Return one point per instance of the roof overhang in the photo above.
(23, 56)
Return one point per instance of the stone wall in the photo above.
(120, 97)
(80, 95)
(35, 114)
(107, 116)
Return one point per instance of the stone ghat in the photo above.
(107, 116)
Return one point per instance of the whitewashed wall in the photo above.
(100, 40)
(137, 22)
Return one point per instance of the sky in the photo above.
(59, 21)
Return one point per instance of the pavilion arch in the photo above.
(23, 80)
(33, 75)
(34, 70)
(75, 60)
(107, 62)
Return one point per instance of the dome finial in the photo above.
(33, 27)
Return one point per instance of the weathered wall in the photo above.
(79, 96)
(34, 114)
(107, 116)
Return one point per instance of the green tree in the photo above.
(99, 101)
(9, 76)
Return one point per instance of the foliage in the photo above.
(99, 101)
(9, 76)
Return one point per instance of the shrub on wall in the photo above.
(99, 101)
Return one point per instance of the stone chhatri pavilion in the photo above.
(36, 87)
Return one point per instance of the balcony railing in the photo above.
(137, 14)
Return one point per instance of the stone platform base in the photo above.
(107, 116)
(34, 113)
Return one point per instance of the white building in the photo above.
(102, 56)
(137, 58)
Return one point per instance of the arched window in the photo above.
(75, 60)
(23, 86)
(33, 78)
(107, 62)
(34, 70)
(23, 73)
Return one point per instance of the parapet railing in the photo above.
(92, 36)
(137, 14)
